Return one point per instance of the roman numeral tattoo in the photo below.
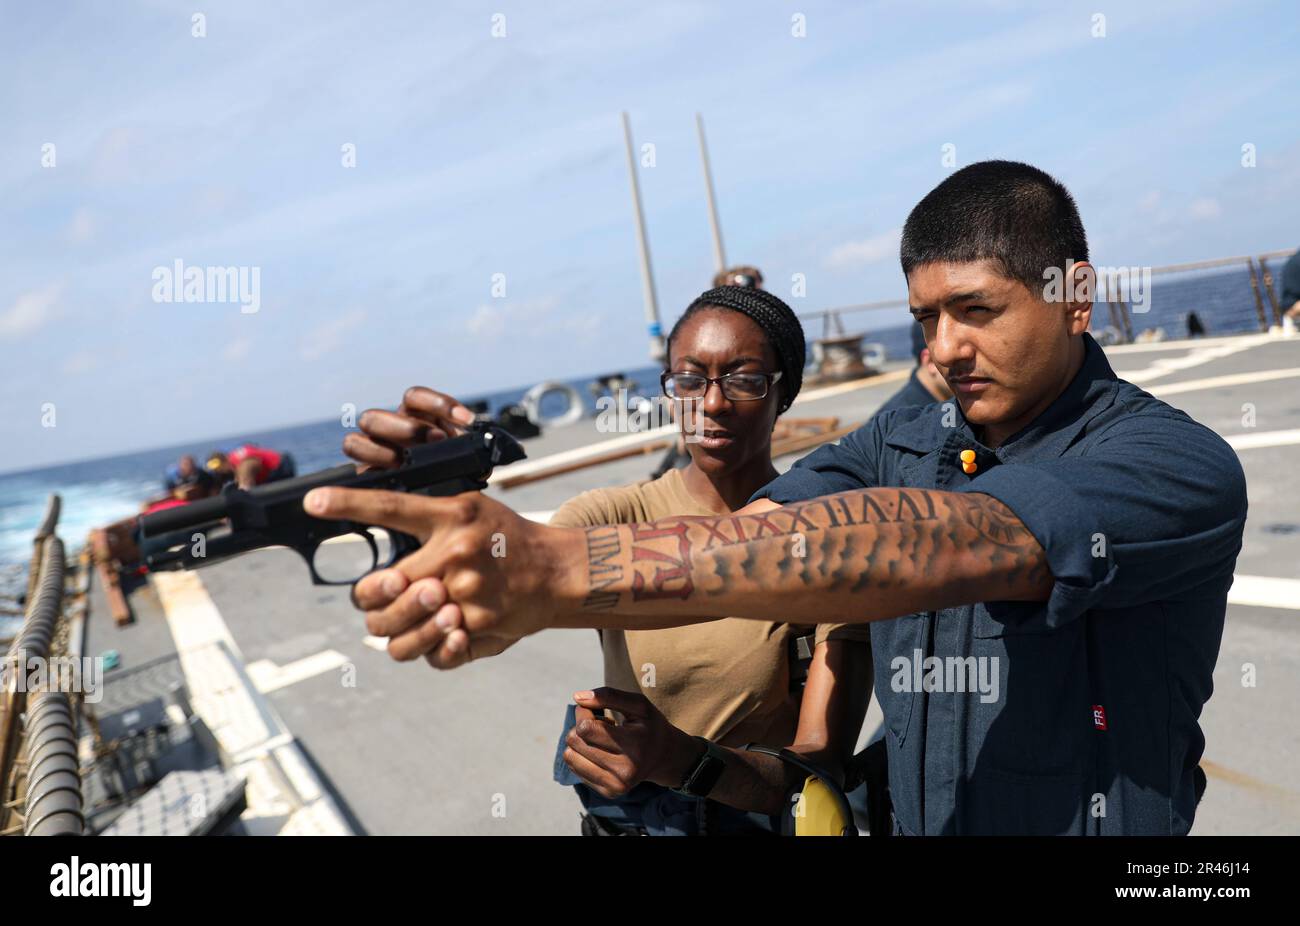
(603, 568)
(904, 541)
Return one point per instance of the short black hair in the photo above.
(1004, 211)
(778, 321)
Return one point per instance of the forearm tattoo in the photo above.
(603, 568)
(871, 539)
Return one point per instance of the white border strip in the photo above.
(1265, 592)
(1220, 382)
(284, 795)
(1263, 439)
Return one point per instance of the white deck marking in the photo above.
(183, 593)
(1187, 343)
(247, 727)
(1265, 592)
(1220, 382)
(1263, 439)
(1163, 366)
(268, 677)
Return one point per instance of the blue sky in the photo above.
(478, 155)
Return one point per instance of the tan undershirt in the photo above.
(726, 680)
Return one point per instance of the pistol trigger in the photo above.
(403, 544)
(374, 550)
(308, 552)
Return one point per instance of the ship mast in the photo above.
(657, 352)
(719, 256)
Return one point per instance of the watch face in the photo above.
(705, 775)
(709, 772)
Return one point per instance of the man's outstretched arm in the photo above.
(855, 556)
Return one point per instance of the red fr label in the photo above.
(1099, 717)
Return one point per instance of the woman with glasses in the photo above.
(684, 700)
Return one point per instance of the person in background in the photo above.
(1290, 303)
(676, 457)
(925, 385)
(250, 465)
(746, 276)
(185, 479)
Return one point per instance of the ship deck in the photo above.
(280, 668)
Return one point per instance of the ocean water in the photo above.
(96, 492)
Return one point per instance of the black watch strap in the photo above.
(699, 781)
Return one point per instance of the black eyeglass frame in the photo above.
(770, 379)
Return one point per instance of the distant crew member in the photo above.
(739, 276)
(1290, 304)
(185, 478)
(925, 385)
(250, 465)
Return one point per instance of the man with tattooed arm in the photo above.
(1053, 529)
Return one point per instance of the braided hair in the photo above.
(778, 321)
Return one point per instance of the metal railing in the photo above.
(833, 324)
(1228, 295)
(1269, 286)
(52, 802)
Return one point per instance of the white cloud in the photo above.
(236, 350)
(82, 227)
(867, 251)
(83, 361)
(329, 336)
(529, 318)
(1207, 208)
(488, 322)
(30, 310)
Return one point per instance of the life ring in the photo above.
(532, 404)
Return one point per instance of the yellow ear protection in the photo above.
(822, 808)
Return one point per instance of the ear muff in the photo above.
(820, 811)
(821, 807)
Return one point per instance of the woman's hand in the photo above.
(423, 417)
(615, 758)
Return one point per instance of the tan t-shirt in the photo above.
(726, 680)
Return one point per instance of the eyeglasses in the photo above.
(738, 387)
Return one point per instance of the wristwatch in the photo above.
(701, 778)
